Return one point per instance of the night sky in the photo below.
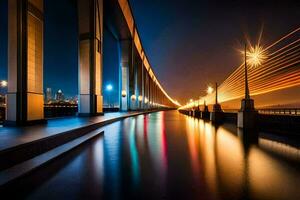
(190, 44)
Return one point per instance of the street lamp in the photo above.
(255, 57)
(109, 88)
(209, 90)
(247, 115)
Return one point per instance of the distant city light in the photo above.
(191, 100)
(109, 87)
(3, 83)
(210, 90)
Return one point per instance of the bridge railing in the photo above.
(280, 111)
(271, 111)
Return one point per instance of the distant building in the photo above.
(59, 96)
(48, 95)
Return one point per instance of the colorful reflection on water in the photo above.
(167, 155)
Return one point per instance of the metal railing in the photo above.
(271, 111)
(280, 111)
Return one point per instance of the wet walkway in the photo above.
(167, 155)
(13, 136)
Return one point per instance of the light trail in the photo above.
(280, 69)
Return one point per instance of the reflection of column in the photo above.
(25, 102)
(126, 62)
(90, 19)
(134, 153)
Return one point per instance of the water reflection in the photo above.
(236, 166)
(171, 156)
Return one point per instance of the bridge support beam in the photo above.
(90, 19)
(25, 101)
(126, 62)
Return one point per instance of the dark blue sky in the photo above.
(192, 43)
(189, 43)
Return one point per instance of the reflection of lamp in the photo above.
(146, 100)
(133, 97)
(150, 102)
(124, 93)
(140, 98)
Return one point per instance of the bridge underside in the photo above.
(140, 88)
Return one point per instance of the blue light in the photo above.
(109, 87)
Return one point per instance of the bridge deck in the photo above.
(14, 136)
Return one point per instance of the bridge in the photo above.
(140, 89)
(225, 144)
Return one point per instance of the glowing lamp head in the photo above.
(123, 93)
(140, 98)
(109, 87)
(146, 100)
(210, 90)
(256, 56)
(3, 83)
(133, 97)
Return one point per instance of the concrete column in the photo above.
(151, 92)
(126, 62)
(139, 92)
(142, 93)
(90, 20)
(25, 102)
(146, 91)
(133, 80)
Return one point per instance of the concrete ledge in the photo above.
(16, 154)
(9, 175)
(26, 123)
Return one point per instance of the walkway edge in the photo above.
(22, 152)
(20, 170)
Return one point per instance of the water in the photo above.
(167, 155)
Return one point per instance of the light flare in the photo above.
(256, 55)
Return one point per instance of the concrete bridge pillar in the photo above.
(133, 80)
(25, 102)
(126, 62)
(139, 84)
(90, 20)
(142, 92)
(151, 92)
(146, 99)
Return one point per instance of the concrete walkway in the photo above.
(14, 136)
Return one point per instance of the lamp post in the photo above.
(247, 103)
(247, 114)
(216, 116)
